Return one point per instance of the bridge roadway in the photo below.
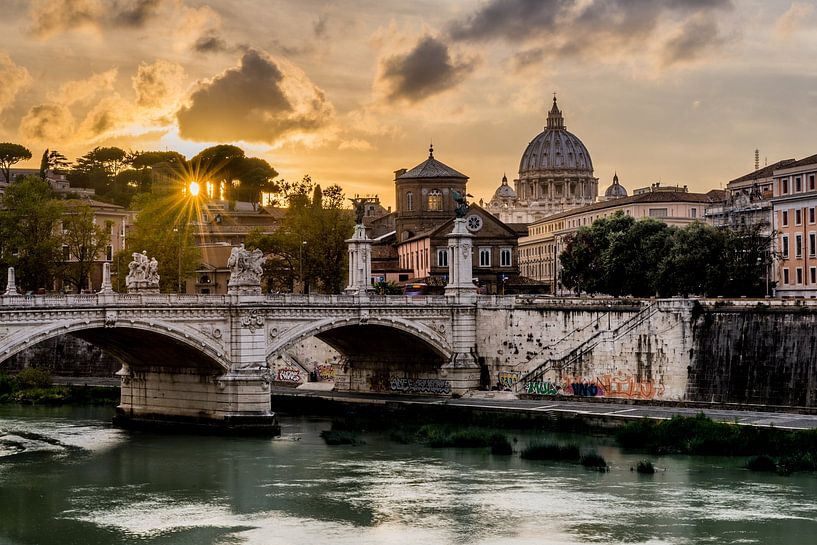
(605, 411)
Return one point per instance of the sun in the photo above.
(194, 188)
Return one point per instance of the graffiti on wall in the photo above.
(545, 388)
(288, 374)
(325, 372)
(618, 385)
(419, 385)
(507, 379)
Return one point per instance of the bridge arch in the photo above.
(142, 342)
(361, 339)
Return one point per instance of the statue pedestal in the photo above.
(143, 286)
(460, 265)
(239, 287)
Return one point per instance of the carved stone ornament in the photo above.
(245, 271)
(252, 321)
(143, 273)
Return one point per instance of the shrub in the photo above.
(500, 445)
(594, 460)
(761, 463)
(645, 467)
(550, 451)
(31, 377)
(340, 437)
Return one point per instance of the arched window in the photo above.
(435, 200)
(409, 201)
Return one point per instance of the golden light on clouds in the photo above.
(348, 95)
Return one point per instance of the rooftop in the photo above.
(431, 168)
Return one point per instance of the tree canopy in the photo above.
(243, 178)
(621, 256)
(11, 154)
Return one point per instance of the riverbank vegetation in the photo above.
(784, 451)
(33, 386)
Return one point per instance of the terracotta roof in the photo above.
(807, 161)
(431, 168)
(765, 172)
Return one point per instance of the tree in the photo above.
(310, 240)
(52, 160)
(28, 220)
(242, 177)
(162, 229)
(98, 168)
(11, 154)
(84, 242)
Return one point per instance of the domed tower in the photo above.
(425, 196)
(615, 191)
(555, 173)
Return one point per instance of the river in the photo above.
(68, 477)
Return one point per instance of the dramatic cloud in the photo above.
(14, 79)
(794, 19)
(49, 17)
(602, 28)
(211, 43)
(261, 100)
(83, 90)
(47, 123)
(426, 70)
(158, 84)
(109, 116)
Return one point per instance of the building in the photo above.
(539, 251)
(794, 203)
(555, 175)
(411, 243)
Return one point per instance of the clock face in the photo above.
(473, 223)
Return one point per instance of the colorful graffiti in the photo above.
(542, 388)
(584, 389)
(419, 385)
(325, 372)
(507, 379)
(288, 374)
(628, 386)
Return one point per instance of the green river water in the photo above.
(68, 477)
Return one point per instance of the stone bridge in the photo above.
(205, 357)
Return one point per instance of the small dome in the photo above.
(504, 191)
(616, 190)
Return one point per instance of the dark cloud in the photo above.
(696, 36)
(258, 101)
(570, 28)
(424, 71)
(319, 27)
(52, 16)
(47, 122)
(211, 43)
(134, 13)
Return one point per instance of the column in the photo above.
(11, 284)
(360, 262)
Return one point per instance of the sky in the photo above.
(676, 91)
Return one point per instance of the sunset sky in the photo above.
(680, 91)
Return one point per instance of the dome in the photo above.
(616, 190)
(504, 191)
(555, 149)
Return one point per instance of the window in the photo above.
(812, 244)
(798, 217)
(409, 201)
(812, 273)
(799, 271)
(435, 200)
(658, 212)
(811, 186)
(66, 253)
(798, 186)
(784, 185)
(784, 246)
(109, 253)
(442, 257)
(484, 257)
(811, 215)
(785, 276)
(693, 212)
(505, 257)
(798, 245)
(785, 218)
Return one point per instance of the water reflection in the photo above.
(67, 477)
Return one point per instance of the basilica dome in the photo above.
(504, 191)
(555, 149)
(616, 190)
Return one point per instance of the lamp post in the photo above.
(178, 231)
(301, 264)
